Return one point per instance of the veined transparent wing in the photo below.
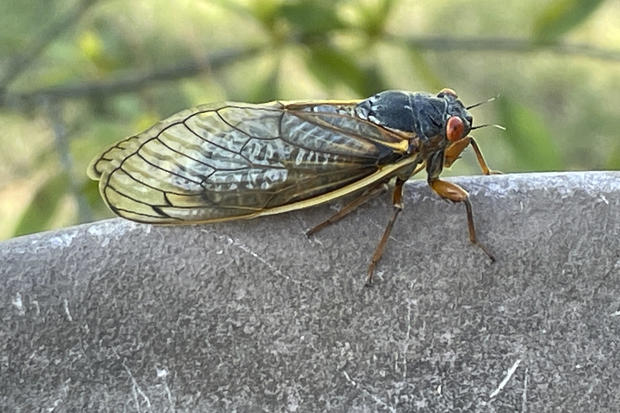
(236, 160)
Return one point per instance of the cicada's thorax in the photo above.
(422, 115)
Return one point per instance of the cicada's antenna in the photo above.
(475, 105)
(487, 125)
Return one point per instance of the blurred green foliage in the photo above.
(561, 16)
(113, 68)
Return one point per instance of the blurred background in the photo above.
(77, 75)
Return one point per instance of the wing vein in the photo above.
(166, 170)
(218, 145)
(128, 173)
(183, 153)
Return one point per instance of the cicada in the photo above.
(227, 161)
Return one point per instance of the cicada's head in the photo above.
(457, 120)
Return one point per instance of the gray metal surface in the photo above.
(253, 316)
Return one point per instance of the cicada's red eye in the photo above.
(455, 128)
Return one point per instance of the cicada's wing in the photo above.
(220, 162)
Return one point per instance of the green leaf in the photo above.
(373, 81)
(266, 11)
(374, 15)
(267, 89)
(332, 67)
(43, 206)
(312, 17)
(22, 21)
(613, 161)
(89, 190)
(561, 16)
(425, 71)
(530, 138)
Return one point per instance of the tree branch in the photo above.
(44, 39)
(503, 44)
(132, 81)
(135, 81)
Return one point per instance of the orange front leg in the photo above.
(454, 150)
(455, 193)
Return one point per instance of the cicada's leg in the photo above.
(453, 152)
(454, 193)
(350, 207)
(397, 202)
